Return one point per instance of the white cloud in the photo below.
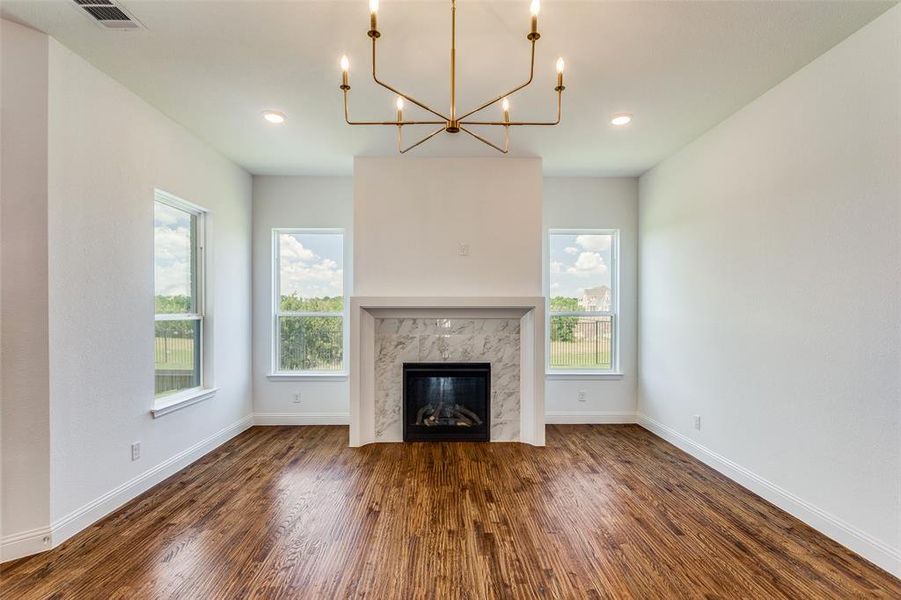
(327, 264)
(169, 216)
(173, 280)
(305, 273)
(588, 263)
(571, 250)
(596, 243)
(555, 287)
(290, 248)
(322, 278)
(172, 260)
(171, 244)
(556, 266)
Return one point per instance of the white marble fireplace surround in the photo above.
(508, 332)
(446, 339)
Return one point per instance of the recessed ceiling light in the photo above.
(621, 119)
(273, 116)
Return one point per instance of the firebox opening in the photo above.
(447, 401)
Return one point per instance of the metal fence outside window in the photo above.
(581, 342)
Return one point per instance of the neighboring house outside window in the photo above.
(596, 298)
(582, 300)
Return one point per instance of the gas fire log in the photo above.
(462, 421)
(473, 418)
(422, 412)
(442, 414)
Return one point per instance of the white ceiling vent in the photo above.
(108, 14)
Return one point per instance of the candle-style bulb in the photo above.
(345, 66)
(505, 105)
(536, 6)
(560, 65)
(373, 18)
(399, 103)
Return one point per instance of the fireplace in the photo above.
(446, 402)
(505, 331)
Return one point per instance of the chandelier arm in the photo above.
(398, 92)
(425, 139)
(519, 123)
(511, 92)
(398, 123)
(503, 150)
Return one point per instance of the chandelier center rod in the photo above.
(453, 67)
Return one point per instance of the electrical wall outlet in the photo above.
(136, 451)
(297, 398)
(463, 250)
(697, 422)
(581, 395)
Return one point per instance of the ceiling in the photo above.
(679, 67)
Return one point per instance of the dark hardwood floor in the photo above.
(601, 512)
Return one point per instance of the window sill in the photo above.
(581, 375)
(307, 376)
(175, 402)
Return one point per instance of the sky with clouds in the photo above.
(578, 262)
(172, 251)
(312, 265)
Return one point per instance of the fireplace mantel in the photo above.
(529, 309)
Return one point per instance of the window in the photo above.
(308, 301)
(582, 319)
(178, 287)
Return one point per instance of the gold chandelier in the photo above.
(452, 123)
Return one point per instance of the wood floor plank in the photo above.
(601, 512)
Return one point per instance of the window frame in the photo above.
(613, 313)
(276, 312)
(170, 402)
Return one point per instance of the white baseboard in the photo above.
(310, 418)
(25, 543)
(337, 418)
(865, 545)
(38, 540)
(592, 417)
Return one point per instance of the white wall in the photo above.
(328, 202)
(411, 214)
(770, 298)
(108, 150)
(24, 501)
(598, 203)
(302, 202)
